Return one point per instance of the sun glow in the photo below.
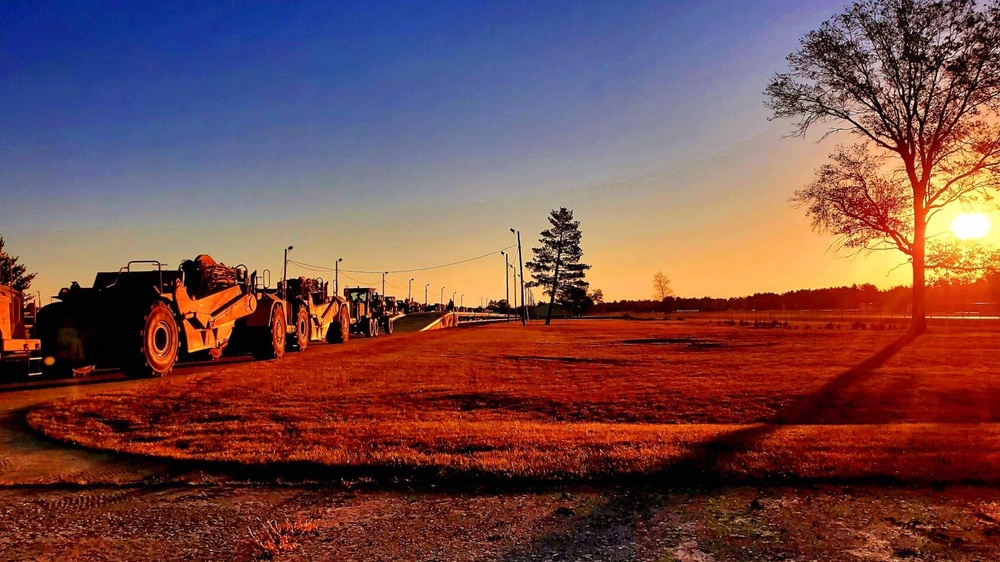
(970, 225)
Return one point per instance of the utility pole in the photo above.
(462, 303)
(284, 284)
(514, 270)
(336, 276)
(409, 290)
(425, 293)
(383, 282)
(506, 284)
(520, 259)
(441, 300)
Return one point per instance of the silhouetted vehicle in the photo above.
(368, 312)
(316, 315)
(16, 348)
(140, 320)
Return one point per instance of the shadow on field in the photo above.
(608, 532)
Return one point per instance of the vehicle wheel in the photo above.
(159, 342)
(340, 331)
(373, 325)
(51, 322)
(301, 329)
(388, 326)
(271, 341)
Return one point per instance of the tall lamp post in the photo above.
(462, 302)
(441, 300)
(425, 293)
(514, 275)
(284, 279)
(409, 290)
(336, 276)
(506, 284)
(520, 260)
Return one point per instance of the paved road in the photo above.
(28, 459)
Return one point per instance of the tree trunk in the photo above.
(918, 317)
(555, 286)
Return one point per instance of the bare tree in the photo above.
(661, 286)
(918, 81)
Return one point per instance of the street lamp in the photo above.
(441, 300)
(409, 290)
(506, 284)
(514, 274)
(462, 302)
(520, 261)
(425, 293)
(336, 276)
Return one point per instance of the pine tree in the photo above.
(556, 267)
(12, 273)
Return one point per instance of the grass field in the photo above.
(584, 400)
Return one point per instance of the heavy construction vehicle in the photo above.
(368, 311)
(18, 352)
(314, 314)
(142, 316)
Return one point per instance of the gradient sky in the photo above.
(401, 135)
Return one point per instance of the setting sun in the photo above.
(970, 225)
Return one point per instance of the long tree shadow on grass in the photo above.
(609, 531)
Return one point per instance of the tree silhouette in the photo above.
(661, 286)
(13, 273)
(918, 81)
(556, 266)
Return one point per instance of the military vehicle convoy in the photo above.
(141, 317)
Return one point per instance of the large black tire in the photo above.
(51, 319)
(340, 331)
(158, 344)
(270, 342)
(301, 337)
(387, 327)
(373, 327)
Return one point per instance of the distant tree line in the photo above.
(942, 297)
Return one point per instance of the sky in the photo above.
(400, 136)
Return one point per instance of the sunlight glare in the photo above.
(970, 225)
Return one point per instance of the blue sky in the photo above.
(406, 134)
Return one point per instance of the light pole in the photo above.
(520, 261)
(425, 293)
(409, 290)
(284, 275)
(462, 302)
(441, 300)
(506, 284)
(453, 297)
(514, 274)
(336, 276)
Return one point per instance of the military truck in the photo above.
(18, 352)
(315, 315)
(141, 317)
(368, 312)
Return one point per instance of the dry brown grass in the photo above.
(583, 399)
